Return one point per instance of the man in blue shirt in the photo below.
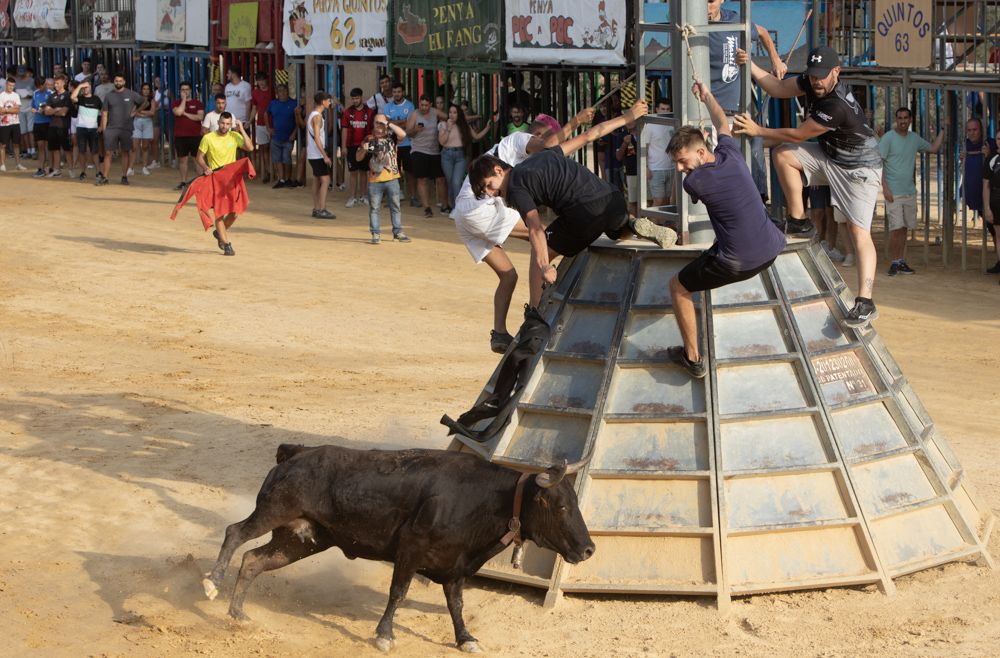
(747, 241)
(398, 110)
(41, 130)
(281, 116)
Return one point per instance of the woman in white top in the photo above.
(317, 155)
(142, 127)
(456, 139)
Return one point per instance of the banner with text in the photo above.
(903, 34)
(555, 31)
(445, 29)
(41, 14)
(347, 28)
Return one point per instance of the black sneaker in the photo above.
(678, 355)
(499, 342)
(180, 186)
(83, 175)
(101, 180)
(228, 250)
(124, 180)
(864, 311)
(280, 184)
(906, 269)
(995, 269)
(894, 269)
(800, 228)
(428, 213)
(222, 245)
(39, 174)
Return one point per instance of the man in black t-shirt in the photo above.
(845, 157)
(585, 207)
(59, 108)
(991, 202)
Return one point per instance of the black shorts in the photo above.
(425, 165)
(403, 158)
(10, 136)
(59, 139)
(186, 146)
(40, 131)
(352, 163)
(707, 272)
(578, 226)
(319, 167)
(86, 140)
(819, 197)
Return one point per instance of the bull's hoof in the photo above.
(470, 646)
(239, 615)
(211, 591)
(383, 644)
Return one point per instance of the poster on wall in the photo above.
(4, 19)
(334, 27)
(555, 31)
(105, 25)
(171, 20)
(243, 25)
(445, 29)
(41, 14)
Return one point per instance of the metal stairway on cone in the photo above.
(803, 460)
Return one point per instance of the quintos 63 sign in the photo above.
(903, 34)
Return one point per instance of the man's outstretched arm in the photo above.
(715, 111)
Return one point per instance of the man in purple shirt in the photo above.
(747, 241)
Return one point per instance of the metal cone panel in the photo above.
(803, 460)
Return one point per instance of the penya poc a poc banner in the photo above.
(345, 28)
(557, 31)
(446, 30)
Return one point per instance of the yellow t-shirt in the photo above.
(220, 150)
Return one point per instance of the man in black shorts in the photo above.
(585, 207)
(88, 117)
(747, 241)
(188, 113)
(58, 110)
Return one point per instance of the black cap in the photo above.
(821, 61)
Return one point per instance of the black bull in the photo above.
(430, 512)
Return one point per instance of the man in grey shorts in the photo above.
(116, 124)
(845, 157)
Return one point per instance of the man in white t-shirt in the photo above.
(659, 165)
(238, 96)
(210, 123)
(10, 124)
(381, 97)
(484, 224)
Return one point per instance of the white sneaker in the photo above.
(351, 203)
(849, 260)
(145, 171)
(130, 172)
(55, 173)
(154, 164)
(3, 168)
(342, 187)
(21, 167)
(90, 166)
(835, 255)
(363, 200)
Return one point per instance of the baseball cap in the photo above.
(548, 121)
(821, 61)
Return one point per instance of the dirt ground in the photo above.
(145, 381)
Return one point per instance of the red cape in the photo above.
(223, 192)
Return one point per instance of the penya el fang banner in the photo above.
(441, 29)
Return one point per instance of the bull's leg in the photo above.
(402, 574)
(286, 546)
(262, 520)
(463, 638)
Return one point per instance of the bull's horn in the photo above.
(576, 466)
(552, 476)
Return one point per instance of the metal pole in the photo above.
(695, 226)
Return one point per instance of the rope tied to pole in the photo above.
(687, 31)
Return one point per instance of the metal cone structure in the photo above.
(803, 460)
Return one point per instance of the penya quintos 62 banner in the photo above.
(347, 28)
(555, 31)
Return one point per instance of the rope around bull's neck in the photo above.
(687, 30)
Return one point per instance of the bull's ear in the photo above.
(541, 498)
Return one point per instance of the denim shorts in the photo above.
(142, 128)
(660, 183)
(281, 152)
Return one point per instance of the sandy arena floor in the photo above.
(145, 381)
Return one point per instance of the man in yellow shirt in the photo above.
(217, 149)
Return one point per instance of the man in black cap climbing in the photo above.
(845, 157)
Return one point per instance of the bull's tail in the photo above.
(288, 450)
